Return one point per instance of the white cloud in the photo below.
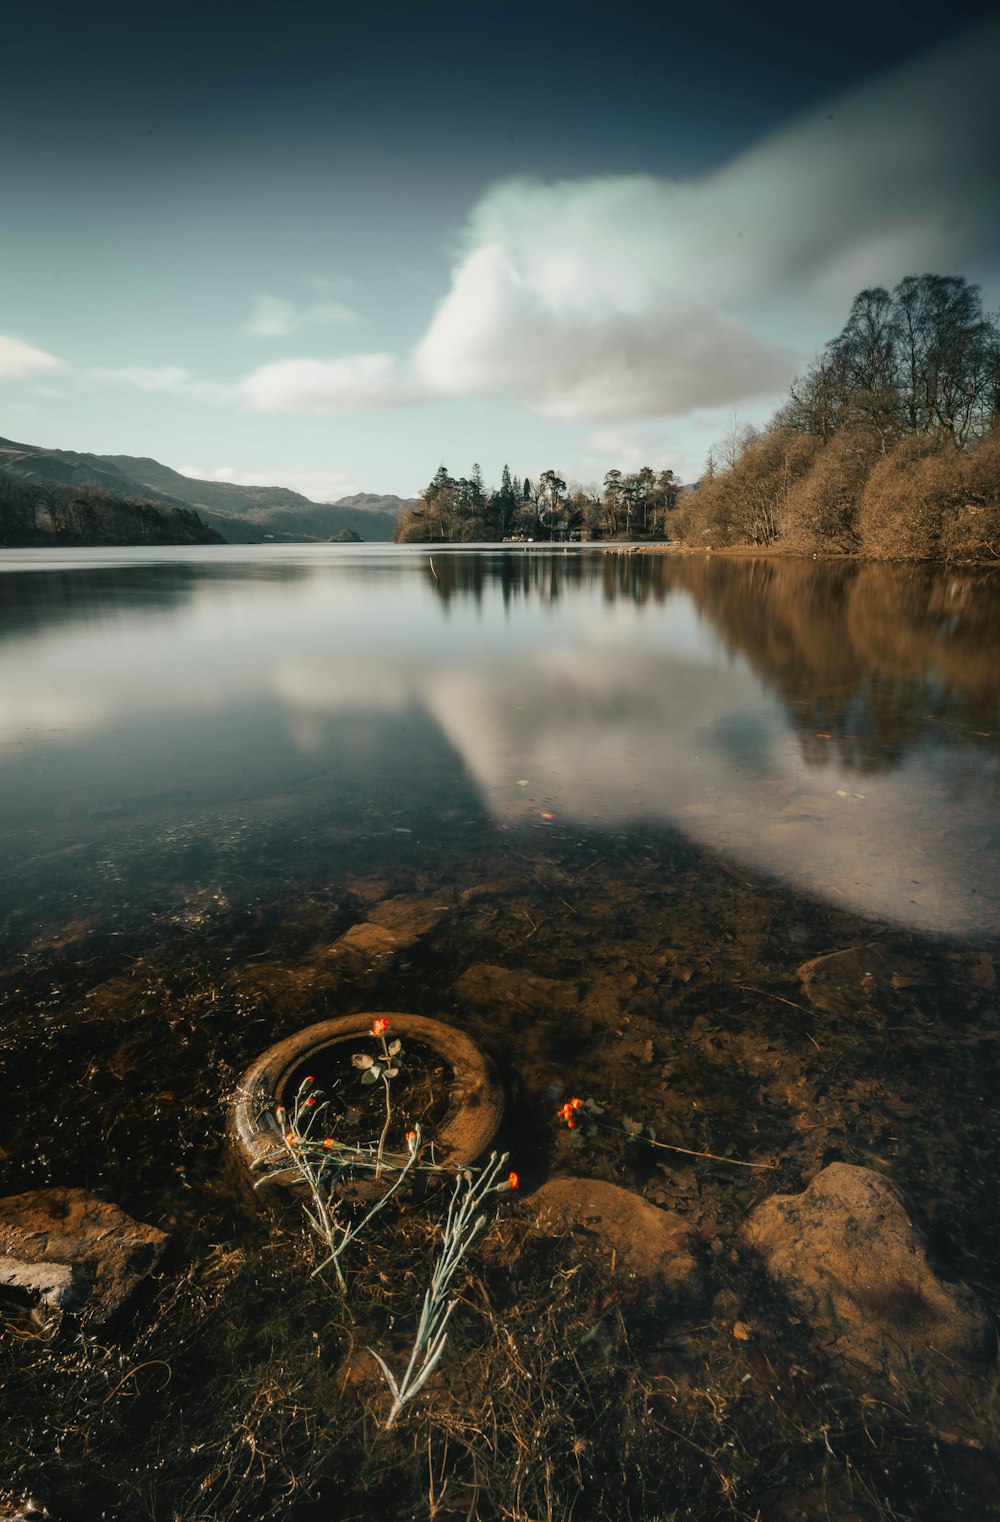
(19, 361)
(631, 296)
(169, 378)
(328, 385)
(627, 297)
(629, 448)
(274, 317)
(567, 302)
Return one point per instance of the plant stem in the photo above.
(385, 1128)
(387, 1063)
(461, 1225)
(713, 1157)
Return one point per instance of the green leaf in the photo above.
(370, 1077)
(631, 1126)
(362, 1060)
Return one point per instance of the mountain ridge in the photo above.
(241, 514)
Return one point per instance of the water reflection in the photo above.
(870, 656)
(832, 724)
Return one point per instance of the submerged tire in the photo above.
(475, 1097)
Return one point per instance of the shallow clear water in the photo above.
(834, 727)
(710, 842)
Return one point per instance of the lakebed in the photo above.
(710, 845)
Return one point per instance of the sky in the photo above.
(332, 251)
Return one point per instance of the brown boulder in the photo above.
(639, 1242)
(852, 1265)
(366, 942)
(62, 1249)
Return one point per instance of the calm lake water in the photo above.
(710, 842)
(320, 710)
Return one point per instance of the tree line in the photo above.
(889, 445)
(465, 511)
(45, 512)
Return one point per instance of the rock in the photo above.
(853, 1267)
(485, 986)
(51, 1287)
(497, 888)
(366, 942)
(841, 981)
(641, 1243)
(298, 987)
(409, 916)
(63, 1249)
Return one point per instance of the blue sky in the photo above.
(332, 251)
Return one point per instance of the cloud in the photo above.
(274, 317)
(317, 485)
(579, 329)
(328, 385)
(626, 297)
(629, 448)
(629, 296)
(19, 361)
(169, 378)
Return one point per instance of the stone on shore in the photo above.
(64, 1250)
(853, 1267)
(639, 1243)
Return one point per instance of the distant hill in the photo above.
(241, 514)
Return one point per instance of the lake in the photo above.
(711, 840)
(832, 727)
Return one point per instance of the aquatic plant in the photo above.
(321, 1161)
(324, 1164)
(462, 1224)
(373, 1070)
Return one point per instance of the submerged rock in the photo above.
(367, 942)
(852, 1265)
(485, 986)
(639, 1242)
(65, 1250)
(409, 916)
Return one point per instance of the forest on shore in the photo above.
(46, 513)
(465, 511)
(888, 446)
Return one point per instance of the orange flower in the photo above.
(291, 1138)
(328, 1141)
(411, 1139)
(565, 1112)
(379, 1026)
(513, 1180)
